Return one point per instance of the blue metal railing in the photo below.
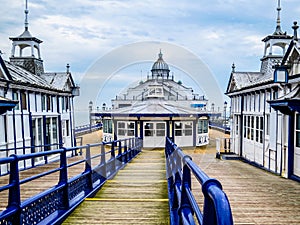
(219, 125)
(182, 203)
(80, 130)
(52, 206)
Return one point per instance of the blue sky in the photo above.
(79, 32)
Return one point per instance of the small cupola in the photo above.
(160, 69)
(29, 60)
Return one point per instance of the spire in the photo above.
(26, 15)
(278, 30)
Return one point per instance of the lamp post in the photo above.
(225, 107)
(90, 113)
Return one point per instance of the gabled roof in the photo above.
(294, 48)
(241, 80)
(21, 75)
(61, 81)
(4, 73)
(50, 81)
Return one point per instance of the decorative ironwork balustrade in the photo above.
(182, 203)
(52, 206)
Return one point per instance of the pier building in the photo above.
(156, 108)
(36, 107)
(265, 106)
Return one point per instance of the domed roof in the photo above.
(160, 64)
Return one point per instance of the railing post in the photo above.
(88, 169)
(14, 199)
(185, 207)
(225, 145)
(103, 161)
(126, 153)
(63, 178)
(113, 155)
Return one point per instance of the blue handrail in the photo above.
(87, 128)
(182, 203)
(55, 204)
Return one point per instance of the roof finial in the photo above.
(278, 30)
(295, 27)
(233, 68)
(160, 54)
(26, 14)
(68, 68)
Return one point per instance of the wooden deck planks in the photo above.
(136, 195)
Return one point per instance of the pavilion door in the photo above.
(183, 133)
(154, 134)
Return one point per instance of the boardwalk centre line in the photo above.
(136, 181)
(128, 199)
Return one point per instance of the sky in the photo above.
(82, 32)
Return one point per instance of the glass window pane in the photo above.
(160, 126)
(121, 132)
(130, 125)
(188, 125)
(121, 125)
(160, 133)
(178, 132)
(130, 132)
(297, 121)
(188, 133)
(148, 133)
(149, 126)
(297, 139)
(178, 125)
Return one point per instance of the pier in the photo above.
(138, 192)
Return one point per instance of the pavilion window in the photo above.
(149, 129)
(107, 126)
(44, 102)
(178, 129)
(202, 126)
(297, 136)
(15, 96)
(130, 128)
(23, 101)
(188, 129)
(160, 129)
(49, 103)
(121, 128)
(236, 125)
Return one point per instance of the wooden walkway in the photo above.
(257, 197)
(136, 195)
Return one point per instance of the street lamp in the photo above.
(90, 113)
(225, 107)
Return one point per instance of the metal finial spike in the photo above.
(68, 68)
(160, 54)
(278, 26)
(26, 14)
(295, 27)
(233, 67)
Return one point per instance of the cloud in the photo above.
(81, 31)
